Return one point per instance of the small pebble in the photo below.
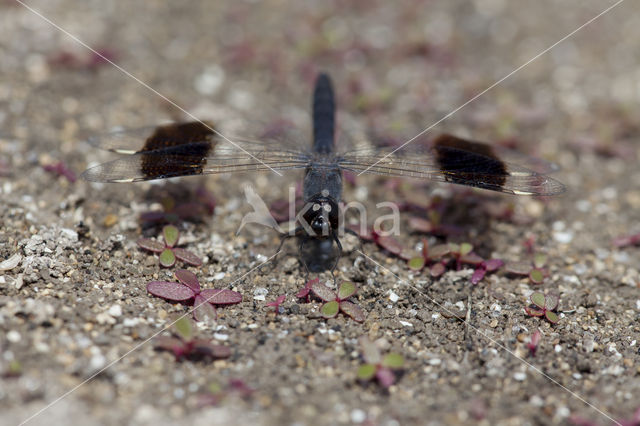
(520, 376)
(11, 262)
(13, 336)
(115, 311)
(358, 416)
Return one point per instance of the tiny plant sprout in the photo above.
(61, 169)
(183, 345)
(276, 303)
(534, 270)
(168, 252)
(335, 303)
(485, 266)
(626, 240)
(376, 366)
(187, 290)
(534, 341)
(543, 306)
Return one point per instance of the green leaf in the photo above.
(393, 360)
(552, 317)
(171, 235)
(167, 258)
(537, 299)
(539, 260)
(214, 388)
(536, 276)
(184, 328)
(330, 309)
(416, 263)
(465, 248)
(366, 371)
(346, 290)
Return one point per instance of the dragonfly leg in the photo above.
(306, 267)
(334, 235)
(283, 238)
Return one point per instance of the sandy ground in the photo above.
(76, 302)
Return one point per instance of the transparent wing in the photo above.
(459, 161)
(188, 149)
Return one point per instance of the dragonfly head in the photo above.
(321, 214)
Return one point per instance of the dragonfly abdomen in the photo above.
(323, 115)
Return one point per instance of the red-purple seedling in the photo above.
(534, 270)
(335, 303)
(187, 290)
(441, 255)
(545, 306)
(61, 169)
(626, 240)
(168, 251)
(183, 345)
(533, 343)
(276, 303)
(303, 293)
(490, 265)
(378, 367)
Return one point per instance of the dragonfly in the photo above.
(196, 148)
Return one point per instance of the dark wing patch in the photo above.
(454, 160)
(461, 159)
(191, 143)
(179, 134)
(181, 160)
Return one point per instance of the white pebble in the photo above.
(11, 262)
(69, 233)
(115, 311)
(130, 322)
(406, 323)
(209, 81)
(435, 361)
(536, 401)
(358, 416)
(260, 293)
(393, 296)
(520, 376)
(563, 237)
(219, 276)
(13, 336)
(97, 362)
(220, 336)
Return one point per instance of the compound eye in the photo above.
(327, 208)
(316, 207)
